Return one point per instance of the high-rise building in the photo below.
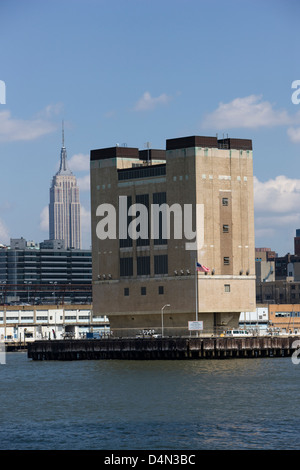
(64, 207)
(297, 243)
(45, 272)
(151, 281)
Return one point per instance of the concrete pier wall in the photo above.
(164, 348)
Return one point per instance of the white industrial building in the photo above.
(30, 323)
(256, 320)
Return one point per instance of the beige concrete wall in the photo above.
(173, 325)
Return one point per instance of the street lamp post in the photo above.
(53, 293)
(162, 319)
(27, 282)
(3, 292)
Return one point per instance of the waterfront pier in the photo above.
(163, 348)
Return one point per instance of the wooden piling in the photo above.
(162, 348)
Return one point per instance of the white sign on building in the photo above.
(195, 325)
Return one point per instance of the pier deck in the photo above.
(164, 348)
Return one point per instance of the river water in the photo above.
(141, 405)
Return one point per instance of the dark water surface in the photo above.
(175, 405)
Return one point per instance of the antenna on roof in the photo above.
(63, 134)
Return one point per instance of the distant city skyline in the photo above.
(153, 71)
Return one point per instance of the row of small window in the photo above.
(144, 291)
(141, 172)
(161, 290)
(287, 314)
(143, 265)
(157, 198)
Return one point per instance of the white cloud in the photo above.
(249, 112)
(147, 102)
(4, 234)
(44, 219)
(12, 129)
(277, 212)
(51, 110)
(279, 195)
(85, 220)
(84, 183)
(294, 134)
(79, 162)
(264, 232)
(110, 114)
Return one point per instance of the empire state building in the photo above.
(64, 207)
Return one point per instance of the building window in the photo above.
(126, 291)
(227, 287)
(143, 290)
(225, 228)
(226, 260)
(126, 266)
(144, 200)
(225, 201)
(127, 242)
(160, 198)
(143, 265)
(161, 264)
(161, 290)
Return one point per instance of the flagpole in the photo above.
(196, 288)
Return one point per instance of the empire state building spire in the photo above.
(64, 207)
(63, 168)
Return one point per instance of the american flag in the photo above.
(202, 268)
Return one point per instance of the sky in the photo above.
(137, 71)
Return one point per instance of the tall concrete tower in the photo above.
(64, 207)
(135, 277)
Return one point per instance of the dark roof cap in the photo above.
(192, 141)
(154, 154)
(114, 152)
(237, 144)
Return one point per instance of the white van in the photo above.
(240, 333)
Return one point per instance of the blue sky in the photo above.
(133, 71)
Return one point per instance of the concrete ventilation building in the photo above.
(64, 207)
(151, 282)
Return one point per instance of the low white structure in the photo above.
(258, 319)
(29, 323)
